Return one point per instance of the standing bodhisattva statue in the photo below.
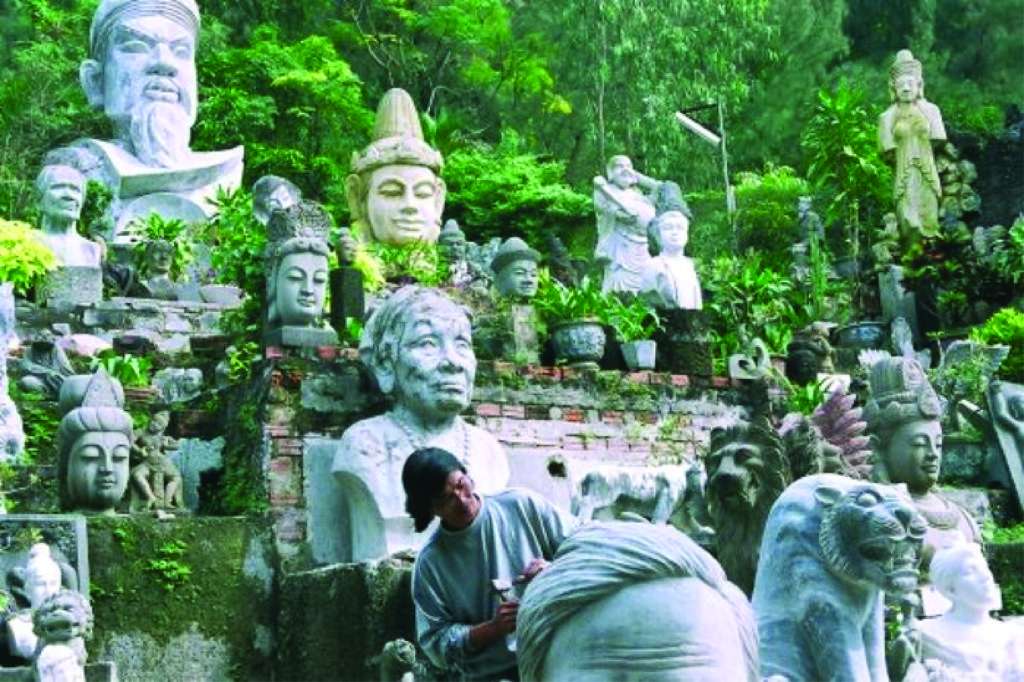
(907, 131)
(625, 206)
(141, 72)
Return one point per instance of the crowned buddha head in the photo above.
(906, 82)
(297, 265)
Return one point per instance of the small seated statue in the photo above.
(156, 482)
(452, 245)
(966, 641)
(809, 354)
(42, 579)
(669, 279)
(515, 270)
(273, 193)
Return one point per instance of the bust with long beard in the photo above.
(141, 72)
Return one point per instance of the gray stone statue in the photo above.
(831, 547)
(61, 197)
(418, 345)
(12, 432)
(156, 482)
(64, 621)
(297, 277)
(42, 580)
(809, 354)
(625, 205)
(156, 281)
(44, 366)
(141, 71)
(452, 245)
(669, 280)
(1006, 402)
(273, 193)
(515, 270)
(395, 193)
(178, 385)
(94, 443)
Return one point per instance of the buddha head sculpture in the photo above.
(42, 575)
(93, 441)
(906, 82)
(141, 72)
(419, 346)
(395, 193)
(297, 267)
(452, 241)
(516, 270)
(272, 193)
(903, 422)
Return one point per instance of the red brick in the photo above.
(720, 382)
(276, 430)
(273, 352)
(284, 481)
(536, 412)
(612, 417)
(639, 377)
(513, 411)
(504, 367)
(661, 378)
(488, 409)
(572, 414)
(647, 417)
(680, 380)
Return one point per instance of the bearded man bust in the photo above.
(141, 72)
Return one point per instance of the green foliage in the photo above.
(805, 399)
(1005, 327)
(999, 535)
(1010, 256)
(372, 267)
(241, 359)
(557, 303)
(766, 212)
(419, 262)
(632, 319)
(130, 370)
(966, 380)
(171, 230)
(24, 260)
(167, 568)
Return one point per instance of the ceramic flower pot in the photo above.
(861, 336)
(639, 354)
(579, 342)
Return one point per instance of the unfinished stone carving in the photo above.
(608, 490)
(624, 203)
(42, 579)
(831, 547)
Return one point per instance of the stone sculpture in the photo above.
(178, 385)
(418, 345)
(44, 366)
(634, 601)
(624, 202)
(966, 643)
(61, 190)
(906, 132)
(809, 221)
(906, 437)
(1006, 401)
(842, 426)
(157, 282)
(64, 622)
(42, 580)
(94, 442)
(156, 482)
(753, 367)
(809, 354)
(669, 280)
(515, 270)
(141, 72)
(395, 193)
(272, 193)
(560, 261)
(831, 547)
(12, 432)
(652, 492)
(348, 300)
(297, 275)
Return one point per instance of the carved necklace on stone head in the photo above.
(420, 442)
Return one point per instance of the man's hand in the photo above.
(531, 570)
(505, 619)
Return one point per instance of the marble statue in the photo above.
(669, 280)
(906, 436)
(42, 580)
(624, 203)
(966, 641)
(94, 443)
(44, 366)
(809, 354)
(634, 601)
(906, 132)
(515, 270)
(1006, 402)
(653, 492)
(297, 277)
(141, 72)
(157, 282)
(831, 547)
(64, 621)
(395, 193)
(61, 197)
(155, 482)
(419, 347)
(12, 432)
(272, 193)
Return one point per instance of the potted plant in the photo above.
(634, 323)
(573, 316)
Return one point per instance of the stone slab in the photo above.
(70, 286)
(65, 533)
(301, 337)
(103, 671)
(193, 458)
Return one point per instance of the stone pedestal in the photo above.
(70, 286)
(300, 337)
(683, 346)
(896, 300)
(347, 299)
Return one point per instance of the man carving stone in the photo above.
(141, 72)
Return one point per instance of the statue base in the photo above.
(70, 286)
(683, 346)
(347, 298)
(300, 337)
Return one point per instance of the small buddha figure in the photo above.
(966, 641)
(395, 194)
(42, 579)
(906, 436)
(906, 132)
(157, 282)
(61, 190)
(94, 443)
(156, 482)
(669, 279)
(625, 205)
(515, 270)
(452, 245)
(272, 193)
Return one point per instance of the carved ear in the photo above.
(827, 495)
(385, 374)
(90, 75)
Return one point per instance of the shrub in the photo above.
(766, 215)
(24, 259)
(1005, 327)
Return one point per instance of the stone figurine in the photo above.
(624, 203)
(395, 193)
(348, 300)
(455, 249)
(515, 270)
(272, 193)
(1006, 402)
(12, 432)
(419, 347)
(61, 197)
(141, 72)
(634, 601)
(906, 132)
(297, 276)
(44, 366)
(94, 443)
(64, 621)
(42, 580)
(669, 280)
(178, 384)
(156, 281)
(156, 482)
(809, 221)
(831, 547)
(809, 354)
(906, 436)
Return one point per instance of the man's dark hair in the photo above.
(424, 477)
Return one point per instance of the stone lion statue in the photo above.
(63, 623)
(831, 547)
(747, 470)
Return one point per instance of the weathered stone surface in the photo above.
(515, 270)
(301, 337)
(70, 286)
(64, 533)
(195, 457)
(178, 385)
(1006, 402)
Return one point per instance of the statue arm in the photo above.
(836, 649)
(885, 139)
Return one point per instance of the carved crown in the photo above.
(305, 220)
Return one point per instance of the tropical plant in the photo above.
(24, 260)
(1005, 327)
(130, 370)
(766, 212)
(557, 303)
(1010, 256)
(807, 398)
(631, 318)
(240, 360)
(419, 261)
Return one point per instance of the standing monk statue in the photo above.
(907, 131)
(625, 205)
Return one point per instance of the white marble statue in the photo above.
(42, 580)
(141, 71)
(61, 196)
(625, 206)
(968, 644)
(670, 279)
(418, 345)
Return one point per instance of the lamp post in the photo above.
(717, 140)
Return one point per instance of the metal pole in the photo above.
(730, 200)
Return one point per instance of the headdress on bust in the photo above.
(900, 394)
(905, 64)
(511, 250)
(302, 228)
(111, 12)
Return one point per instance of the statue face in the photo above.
(518, 279)
(622, 174)
(914, 455)
(974, 584)
(435, 367)
(151, 59)
(160, 259)
(675, 233)
(301, 286)
(42, 584)
(98, 470)
(64, 194)
(404, 204)
(907, 87)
